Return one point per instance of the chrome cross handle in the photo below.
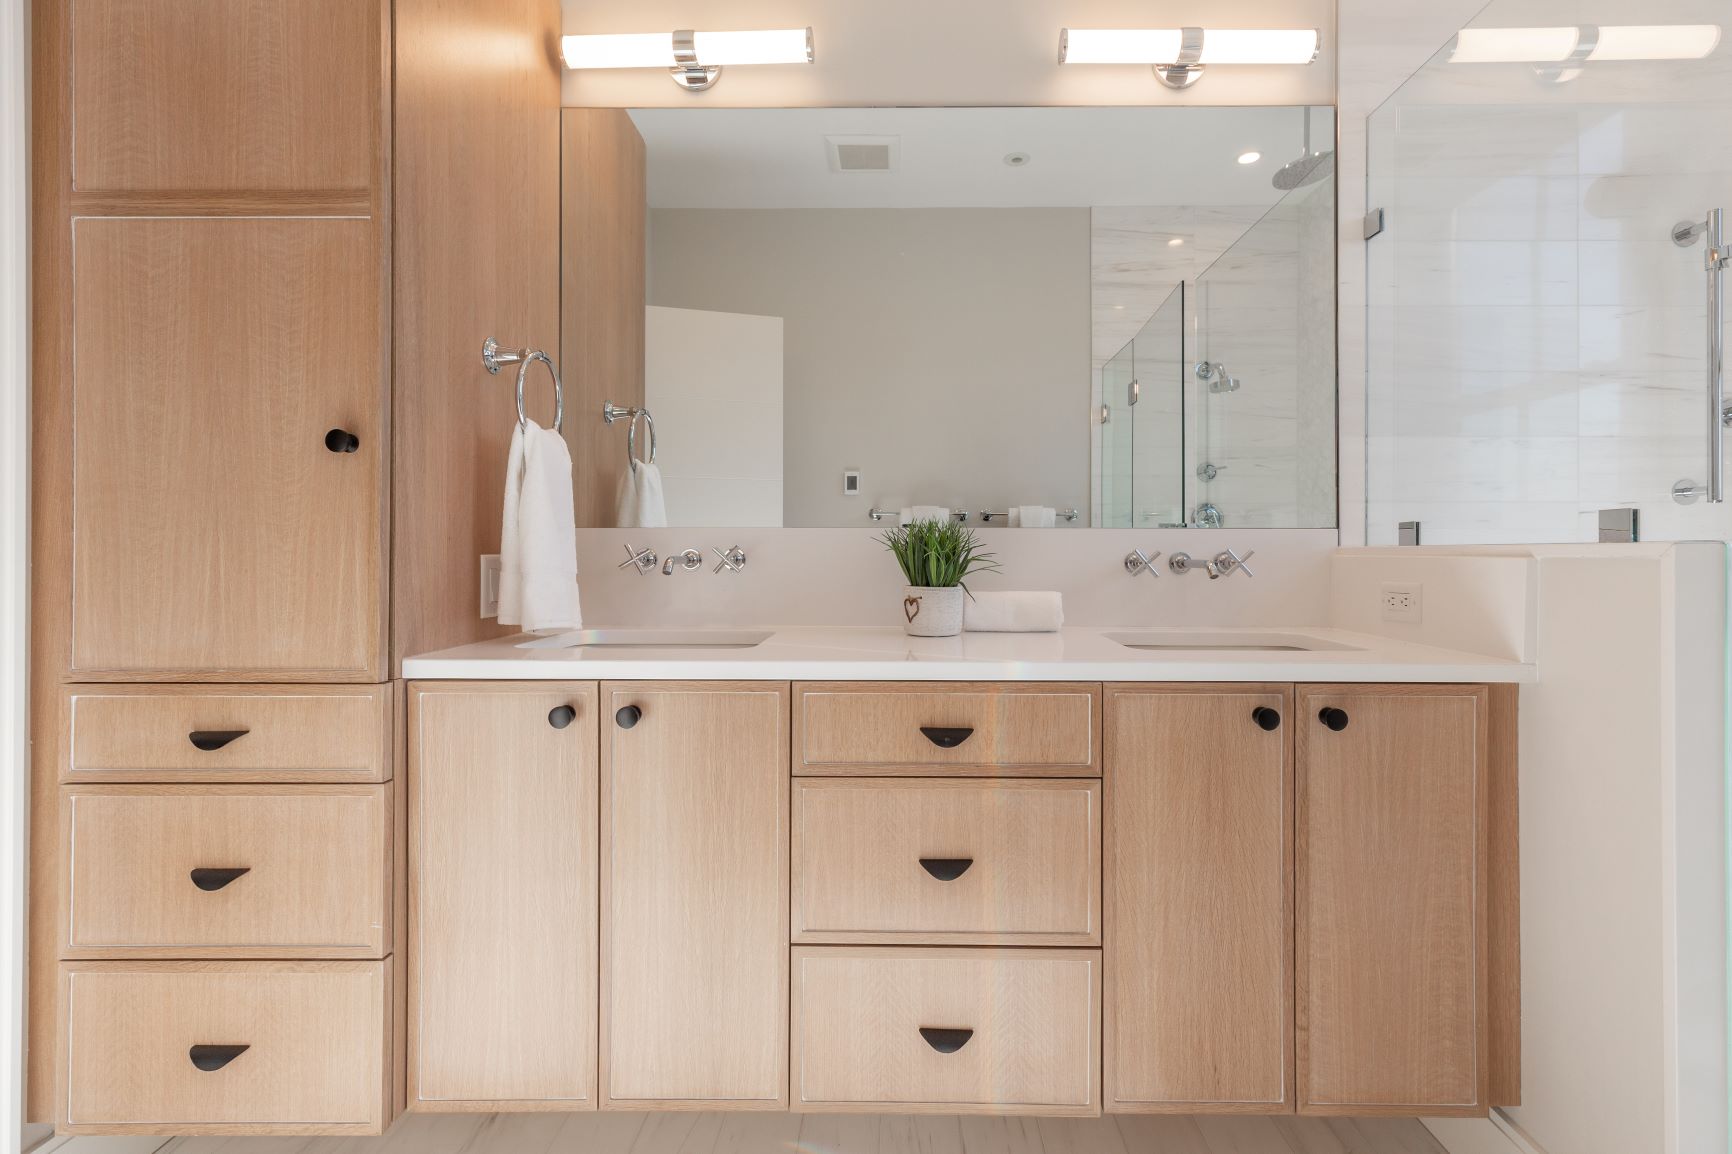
(1136, 561)
(642, 559)
(1227, 562)
(733, 559)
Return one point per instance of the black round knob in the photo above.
(561, 716)
(1267, 719)
(342, 441)
(1335, 719)
(628, 716)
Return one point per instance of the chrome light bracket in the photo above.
(687, 72)
(1185, 71)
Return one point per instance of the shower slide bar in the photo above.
(1714, 261)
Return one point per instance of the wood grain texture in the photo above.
(476, 254)
(317, 1061)
(1504, 896)
(601, 321)
(858, 1012)
(1199, 900)
(1392, 964)
(1034, 847)
(141, 733)
(1019, 729)
(503, 907)
(224, 94)
(694, 896)
(213, 531)
(318, 859)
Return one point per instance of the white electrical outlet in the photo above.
(489, 584)
(1403, 602)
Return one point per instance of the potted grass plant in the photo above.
(937, 558)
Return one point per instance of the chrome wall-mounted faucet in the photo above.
(687, 559)
(1223, 564)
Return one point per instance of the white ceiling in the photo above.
(954, 157)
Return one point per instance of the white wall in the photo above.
(943, 352)
(960, 52)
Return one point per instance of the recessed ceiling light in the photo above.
(1250, 157)
(1016, 159)
(1175, 242)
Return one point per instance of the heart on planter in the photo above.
(911, 608)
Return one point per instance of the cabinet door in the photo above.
(1392, 867)
(222, 521)
(1199, 894)
(694, 874)
(503, 896)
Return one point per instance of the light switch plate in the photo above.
(1403, 602)
(489, 584)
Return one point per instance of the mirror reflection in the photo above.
(1028, 317)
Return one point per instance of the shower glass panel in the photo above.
(1260, 444)
(1537, 343)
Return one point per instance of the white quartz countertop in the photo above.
(887, 654)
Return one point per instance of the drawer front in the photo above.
(227, 871)
(229, 733)
(154, 1047)
(946, 1030)
(947, 861)
(985, 728)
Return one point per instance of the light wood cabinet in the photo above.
(1199, 893)
(694, 876)
(503, 896)
(224, 526)
(1393, 972)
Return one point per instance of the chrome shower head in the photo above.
(1308, 169)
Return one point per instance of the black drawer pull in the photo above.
(946, 869)
(342, 441)
(945, 1040)
(561, 716)
(212, 879)
(209, 1058)
(211, 740)
(628, 716)
(945, 738)
(1335, 719)
(1267, 719)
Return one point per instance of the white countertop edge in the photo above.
(866, 654)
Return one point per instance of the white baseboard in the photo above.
(1494, 1135)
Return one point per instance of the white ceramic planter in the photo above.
(929, 612)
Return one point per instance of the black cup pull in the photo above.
(342, 441)
(209, 1058)
(946, 869)
(1335, 719)
(212, 879)
(1267, 719)
(945, 1040)
(211, 740)
(946, 738)
(628, 716)
(561, 716)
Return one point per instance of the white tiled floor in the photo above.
(752, 1133)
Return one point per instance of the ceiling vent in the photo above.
(863, 153)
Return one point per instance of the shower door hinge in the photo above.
(1373, 223)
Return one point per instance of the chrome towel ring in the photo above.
(611, 412)
(492, 357)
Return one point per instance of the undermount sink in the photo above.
(650, 639)
(1227, 641)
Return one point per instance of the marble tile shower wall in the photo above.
(1535, 340)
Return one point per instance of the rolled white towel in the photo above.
(1033, 612)
(1033, 516)
(925, 513)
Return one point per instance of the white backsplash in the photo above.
(845, 577)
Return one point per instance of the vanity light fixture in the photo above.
(1179, 55)
(693, 59)
(1559, 53)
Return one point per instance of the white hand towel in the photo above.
(1013, 613)
(641, 504)
(925, 513)
(538, 535)
(1033, 517)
